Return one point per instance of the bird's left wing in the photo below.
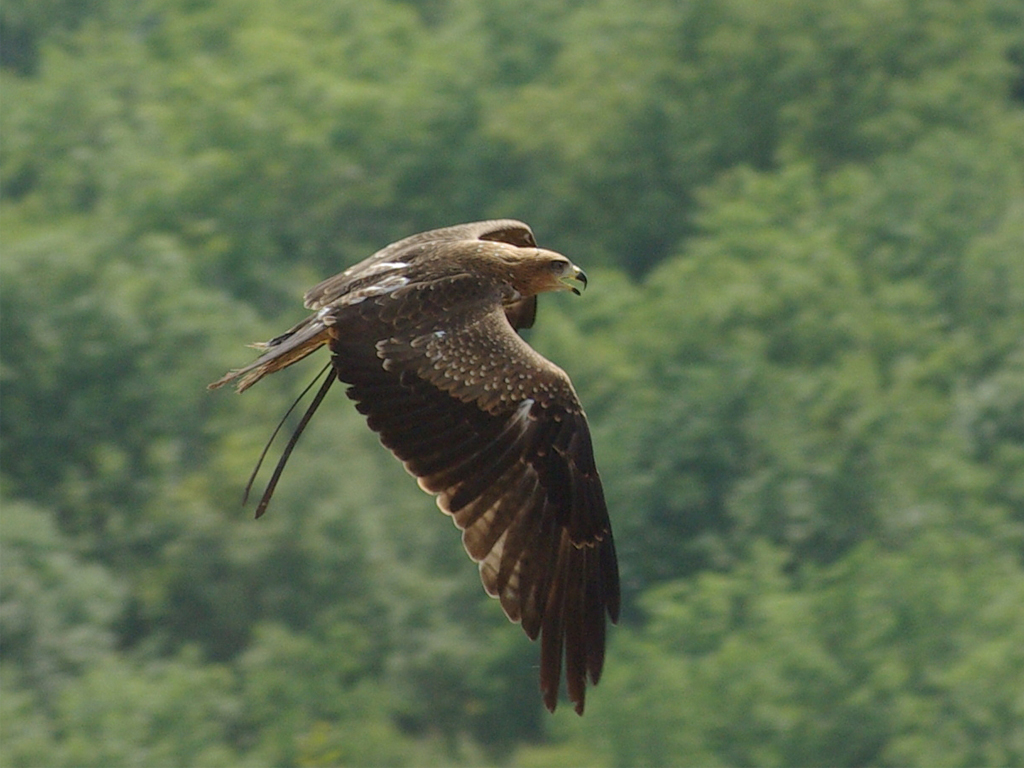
(408, 250)
(370, 277)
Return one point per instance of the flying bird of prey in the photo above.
(425, 333)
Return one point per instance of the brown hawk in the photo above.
(424, 332)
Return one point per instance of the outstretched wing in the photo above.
(497, 433)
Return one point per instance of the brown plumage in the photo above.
(424, 332)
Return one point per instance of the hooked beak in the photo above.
(578, 276)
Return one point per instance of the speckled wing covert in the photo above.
(423, 334)
(367, 276)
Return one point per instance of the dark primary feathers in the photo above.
(424, 334)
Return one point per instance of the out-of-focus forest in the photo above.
(802, 355)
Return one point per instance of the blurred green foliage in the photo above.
(802, 355)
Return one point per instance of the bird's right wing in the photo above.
(497, 433)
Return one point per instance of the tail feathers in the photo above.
(304, 339)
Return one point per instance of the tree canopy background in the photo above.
(802, 354)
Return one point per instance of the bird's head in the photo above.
(536, 270)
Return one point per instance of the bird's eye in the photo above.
(559, 266)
